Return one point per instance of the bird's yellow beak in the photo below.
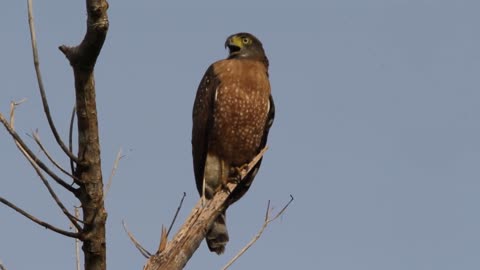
(234, 41)
(234, 44)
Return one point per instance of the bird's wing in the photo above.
(203, 109)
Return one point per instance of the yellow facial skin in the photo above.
(239, 41)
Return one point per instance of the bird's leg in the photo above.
(204, 199)
(237, 173)
(225, 188)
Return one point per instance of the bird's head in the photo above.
(245, 46)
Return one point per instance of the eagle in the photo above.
(232, 115)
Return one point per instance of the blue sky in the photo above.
(376, 133)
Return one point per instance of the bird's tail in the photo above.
(217, 236)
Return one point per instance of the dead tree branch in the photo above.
(36, 138)
(257, 236)
(38, 221)
(37, 161)
(70, 139)
(52, 193)
(176, 214)
(181, 248)
(77, 242)
(37, 168)
(36, 63)
(83, 58)
(145, 253)
(114, 169)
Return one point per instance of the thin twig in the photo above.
(176, 214)
(13, 105)
(163, 240)
(77, 242)
(38, 170)
(38, 221)
(70, 138)
(140, 248)
(37, 161)
(36, 138)
(114, 169)
(36, 63)
(257, 236)
(50, 190)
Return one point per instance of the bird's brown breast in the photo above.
(240, 109)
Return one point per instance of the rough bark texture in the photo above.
(82, 59)
(184, 244)
(175, 254)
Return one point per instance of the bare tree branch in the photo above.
(257, 236)
(163, 240)
(145, 253)
(36, 63)
(37, 161)
(35, 164)
(70, 139)
(114, 169)
(83, 58)
(77, 242)
(36, 138)
(176, 214)
(38, 221)
(50, 190)
(13, 105)
(181, 248)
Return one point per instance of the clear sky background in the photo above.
(376, 135)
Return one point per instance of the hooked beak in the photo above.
(234, 44)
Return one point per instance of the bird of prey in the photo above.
(232, 115)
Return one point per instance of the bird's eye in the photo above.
(245, 40)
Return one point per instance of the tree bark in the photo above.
(82, 58)
(187, 240)
(175, 254)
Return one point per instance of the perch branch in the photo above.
(38, 221)
(140, 248)
(181, 248)
(257, 236)
(36, 63)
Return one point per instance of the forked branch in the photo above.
(83, 58)
(29, 152)
(36, 167)
(36, 138)
(36, 63)
(145, 253)
(38, 221)
(257, 236)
